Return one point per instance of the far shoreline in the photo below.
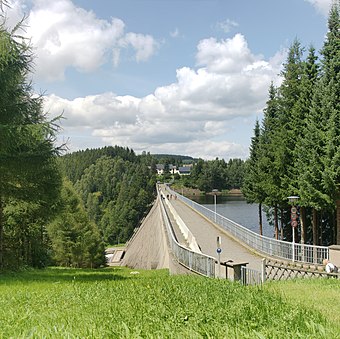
(194, 192)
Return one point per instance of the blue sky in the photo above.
(183, 77)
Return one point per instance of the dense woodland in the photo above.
(207, 175)
(296, 148)
(116, 188)
(64, 209)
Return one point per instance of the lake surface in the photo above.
(238, 210)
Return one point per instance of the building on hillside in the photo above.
(160, 169)
(184, 170)
(181, 170)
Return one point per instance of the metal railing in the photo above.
(250, 276)
(196, 262)
(275, 248)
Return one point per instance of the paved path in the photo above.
(206, 233)
(178, 234)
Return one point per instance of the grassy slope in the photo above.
(113, 303)
(322, 295)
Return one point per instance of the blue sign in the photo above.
(219, 250)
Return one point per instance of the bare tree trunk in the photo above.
(320, 229)
(303, 230)
(260, 219)
(303, 224)
(315, 232)
(1, 234)
(276, 224)
(315, 227)
(281, 225)
(337, 228)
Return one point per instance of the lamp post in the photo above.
(293, 220)
(215, 191)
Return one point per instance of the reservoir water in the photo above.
(238, 210)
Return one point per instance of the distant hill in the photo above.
(75, 163)
(174, 157)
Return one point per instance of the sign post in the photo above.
(219, 250)
(293, 221)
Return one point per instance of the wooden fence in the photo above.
(279, 270)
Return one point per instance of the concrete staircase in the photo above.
(114, 256)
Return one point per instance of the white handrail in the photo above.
(194, 261)
(275, 248)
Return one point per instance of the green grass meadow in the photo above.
(120, 303)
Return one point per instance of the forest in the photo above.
(207, 175)
(295, 150)
(116, 188)
(217, 174)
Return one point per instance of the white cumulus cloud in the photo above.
(193, 115)
(323, 6)
(64, 35)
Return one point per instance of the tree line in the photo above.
(295, 149)
(116, 189)
(216, 174)
(205, 175)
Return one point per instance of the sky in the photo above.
(187, 77)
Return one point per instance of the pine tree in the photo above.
(75, 240)
(329, 91)
(290, 122)
(28, 169)
(291, 116)
(270, 180)
(251, 187)
(302, 153)
(317, 150)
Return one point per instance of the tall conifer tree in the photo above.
(28, 168)
(251, 187)
(290, 122)
(270, 180)
(330, 107)
(303, 151)
(291, 116)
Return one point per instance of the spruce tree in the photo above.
(251, 187)
(303, 150)
(329, 92)
(270, 180)
(28, 169)
(291, 118)
(75, 240)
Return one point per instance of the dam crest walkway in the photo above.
(180, 234)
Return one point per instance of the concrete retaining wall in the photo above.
(148, 248)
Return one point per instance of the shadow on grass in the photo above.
(64, 274)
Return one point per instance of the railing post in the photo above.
(263, 270)
(208, 267)
(190, 260)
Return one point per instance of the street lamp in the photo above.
(215, 191)
(293, 219)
